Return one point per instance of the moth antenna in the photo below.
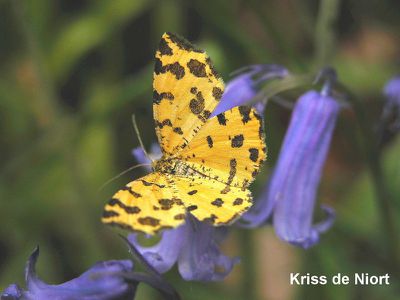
(135, 127)
(122, 173)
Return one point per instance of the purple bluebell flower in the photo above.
(392, 91)
(246, 84)
(194, 247)
(12, 292)
(141, 158)
(291, 192)
(107, 280)
(103, 281)
(391, 109)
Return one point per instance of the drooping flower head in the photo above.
(290, 195)
(194, 247)
(107, 280)
(103, 281)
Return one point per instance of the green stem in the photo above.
(324, 32)
(278, 86)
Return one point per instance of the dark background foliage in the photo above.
(73, 72)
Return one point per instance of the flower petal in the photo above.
(201, 258)
(140, 156)
(242, 88)
(101, 281)
(329, 220)
(294, 183)
(12, 292)
(163, 255)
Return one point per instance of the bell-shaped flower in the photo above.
(107, 280)
(194, 247)
(290, 195)
(103, 281)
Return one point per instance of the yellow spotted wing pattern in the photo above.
(229, 148)
(207, 199)
(142, 204)
(207, 163)
(186, 90)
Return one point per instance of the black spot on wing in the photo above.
(226, 189)
(166, 122)
(109, 214)
(253, 154)
(206, 114)
(178, 130)
(164, 48)
(191, 207)
(221, 119)
(197, 105)
(149, 221)
(217, 93)
(132, 192)
(238, 201)
(197, 68)
(158, 67)
(232, 170)
(193, 90)
(175, 68)
(237, 141)
(126, 208)
(179, 217)
(261, 132)
(245, 184)
(245, 113)
(166, 204)
(146, 183)
(183, 43)
(192, 192)
(158, 97)
(211, 219)
(211, 66)
(209, 141)
(217, 202)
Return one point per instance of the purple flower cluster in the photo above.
(291, 192)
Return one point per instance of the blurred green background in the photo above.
(73, 72)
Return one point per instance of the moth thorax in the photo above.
(171, 166)
(163, 165)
